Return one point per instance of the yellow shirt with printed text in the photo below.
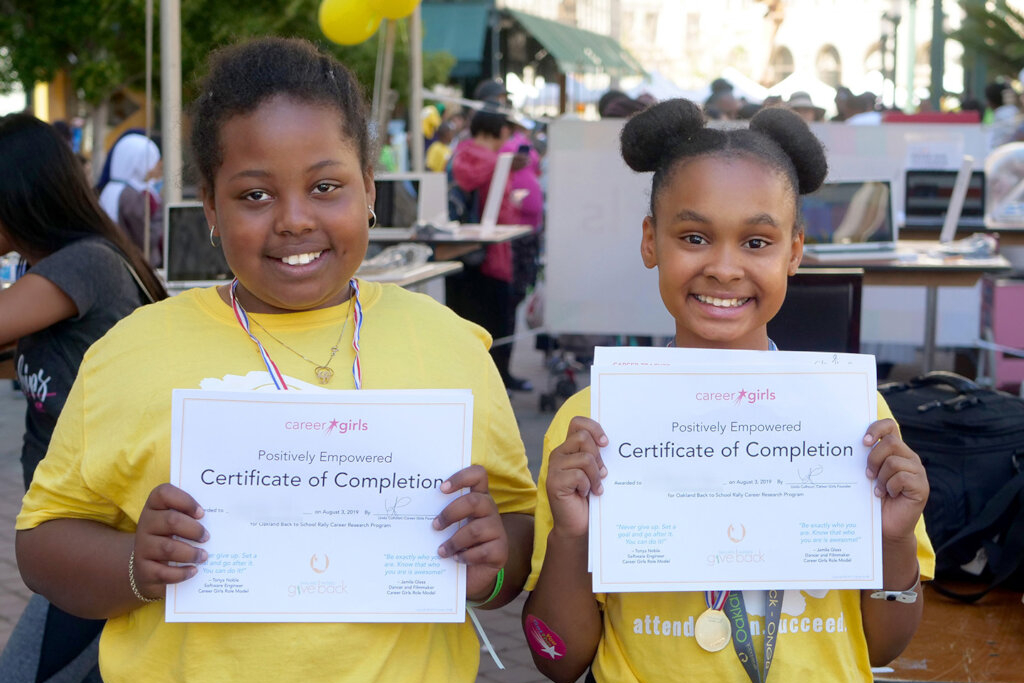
(112, 444)
(649, 636)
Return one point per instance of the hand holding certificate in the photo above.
(322, 507)
(734, 470)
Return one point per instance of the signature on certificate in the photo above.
(392, 506)
(808, 477)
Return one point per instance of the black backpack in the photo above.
(971, 441)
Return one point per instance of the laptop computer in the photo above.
(850, 220)
(189, 260)
(928, 197)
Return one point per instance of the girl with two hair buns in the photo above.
(724, 232)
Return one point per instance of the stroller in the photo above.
(566, 358)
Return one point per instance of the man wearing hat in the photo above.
(801, 103)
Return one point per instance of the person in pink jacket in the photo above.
(484, 293)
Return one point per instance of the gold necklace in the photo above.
(323, 372)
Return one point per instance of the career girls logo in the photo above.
(332, 427)
(748, 396)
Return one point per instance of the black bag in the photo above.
(971, 441)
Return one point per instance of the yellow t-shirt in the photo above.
(649, 636)
(437, 156)
(111, 448)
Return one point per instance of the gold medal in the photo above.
(712, 630)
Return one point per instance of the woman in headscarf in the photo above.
(134, 163)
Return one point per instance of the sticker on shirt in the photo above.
(543, 640)
(257, 380)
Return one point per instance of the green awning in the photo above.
(460, 30)
(579, 51)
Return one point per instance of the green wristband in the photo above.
(494, 593)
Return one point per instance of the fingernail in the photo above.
(202, 556)
(871, 475)
(436, 523)
(200, 512)
(868, 440)
(442, 551)
(205, 537)
(599, 490)
(446, 487)
(192, 571)
(878, 492)
(604, 471)
(602, 440)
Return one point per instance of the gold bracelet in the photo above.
(131, 581)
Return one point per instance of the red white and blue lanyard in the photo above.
(275, 374)
(715, 599)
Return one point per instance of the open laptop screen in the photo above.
(397, 202)
(928, 196)
(849, 213)
(188, 255)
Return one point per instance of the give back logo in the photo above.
(319, 587)
(736, 532)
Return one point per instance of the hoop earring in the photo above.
(212, 243)
(373, 216)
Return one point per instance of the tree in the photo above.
(995, 31)
(101, 43)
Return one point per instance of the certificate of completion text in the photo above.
(735, 476)
(319, 506)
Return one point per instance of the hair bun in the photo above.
(646, 139)
(792, 134)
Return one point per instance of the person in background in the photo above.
(528, 197)
(483, 293)
(801, 103)
(843, 100)
(722, 103)
(616, 104)
(440, 150)
(134, 190)
(863, 111)
(387, 160)
(83, 276)
(491, 91)
(430, 119)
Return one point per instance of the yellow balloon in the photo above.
(347, 22)
(393, 9)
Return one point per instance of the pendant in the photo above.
(712, 630)
(324, 374)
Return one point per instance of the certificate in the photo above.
(734, 470)
(319, 506)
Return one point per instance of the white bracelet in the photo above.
(908, 596)
(131, 581)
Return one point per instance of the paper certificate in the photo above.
(319, 506)
(736, 471)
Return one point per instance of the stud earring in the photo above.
(212, 243)
(373, 216)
